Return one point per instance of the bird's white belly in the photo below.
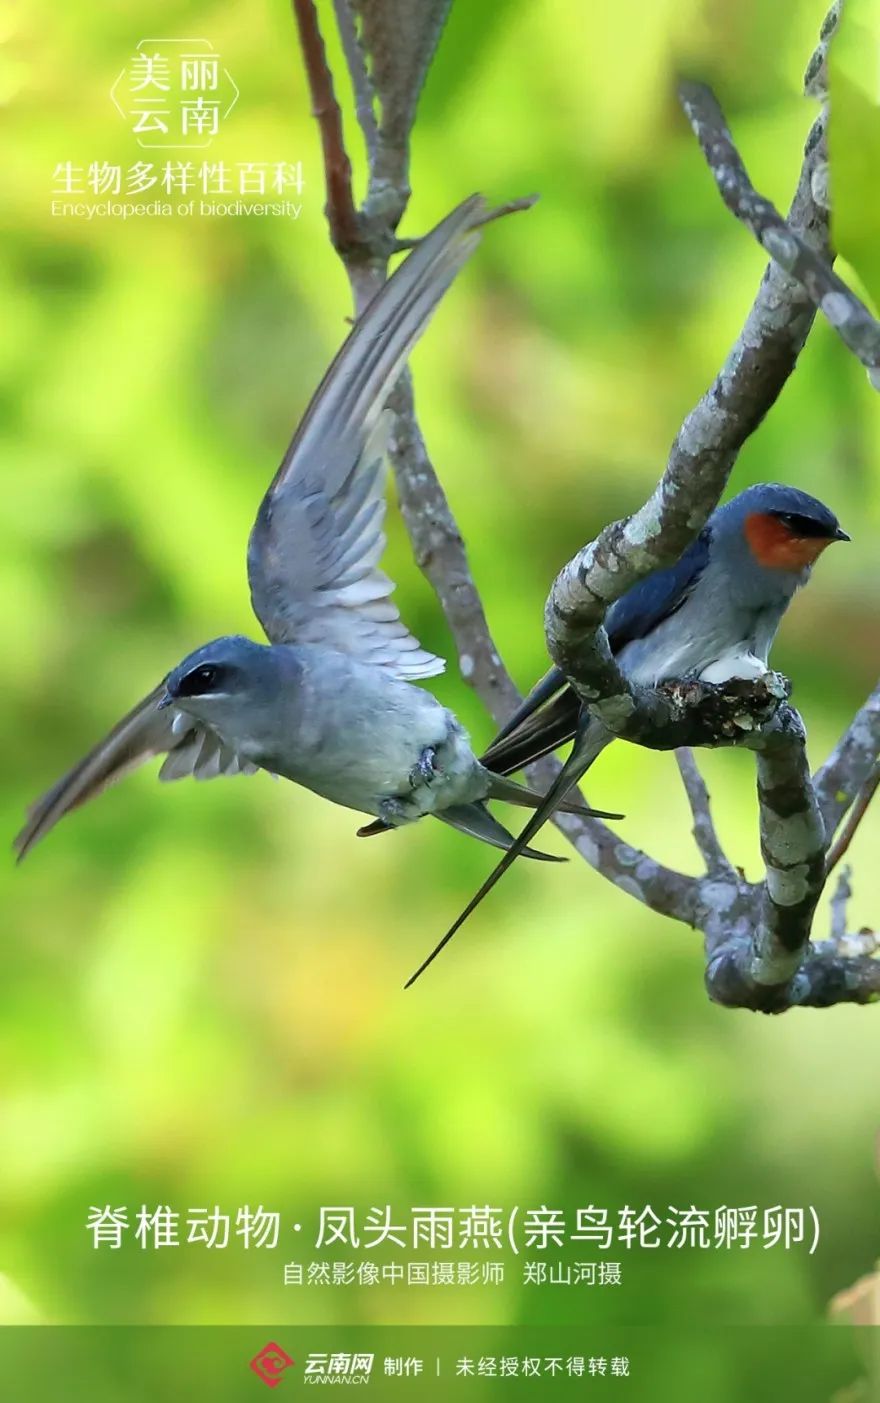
(736, 663)
(383, 765)
(360, 736)
(714, 645)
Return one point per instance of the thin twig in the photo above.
(705, 834)
(661, 888)
(357, 67)
(398, 39)
(849, 316)
(340, 210)
(840, 846)
(440, 552)
(816, 75)
(840, 905)
(850, 764)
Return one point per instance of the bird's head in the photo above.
(221, 681)
(783, 528)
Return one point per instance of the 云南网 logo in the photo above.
(270, 1363)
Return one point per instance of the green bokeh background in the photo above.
(201, 987)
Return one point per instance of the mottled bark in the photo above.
(849, 316)
(793, 849)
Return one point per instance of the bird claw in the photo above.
(395, 812)
(396, 809)
(728, 709)
(424, 771)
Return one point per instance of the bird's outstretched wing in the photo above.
(315, 546)
(548, 716)
(312, 559)
(146, 731)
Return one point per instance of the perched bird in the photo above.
(712, 615)
(329, 702)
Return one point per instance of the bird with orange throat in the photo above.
(712, 616)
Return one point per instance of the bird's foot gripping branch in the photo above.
(688, 712)
(728, 713)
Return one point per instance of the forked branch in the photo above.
(757, 935)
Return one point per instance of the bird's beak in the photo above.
(167, 700)
(841, 535)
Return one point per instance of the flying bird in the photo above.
(329, 702)
(712, 615)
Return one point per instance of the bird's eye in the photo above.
(806, 527)
(201, 681)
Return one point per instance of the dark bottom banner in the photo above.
(120, 1364)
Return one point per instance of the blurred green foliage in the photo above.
(854, 140)
(201, 991)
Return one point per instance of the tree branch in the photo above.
(840, 846)
(341, 214)
(756, 935)
(661, 888)
(850, 764)
(437, 543)
(440, 553)
(357, 67)
(793, 849)
(840, 905)
(705, 835)
(399, 39)
(824, 977)
(848, 315)
(699, 465)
